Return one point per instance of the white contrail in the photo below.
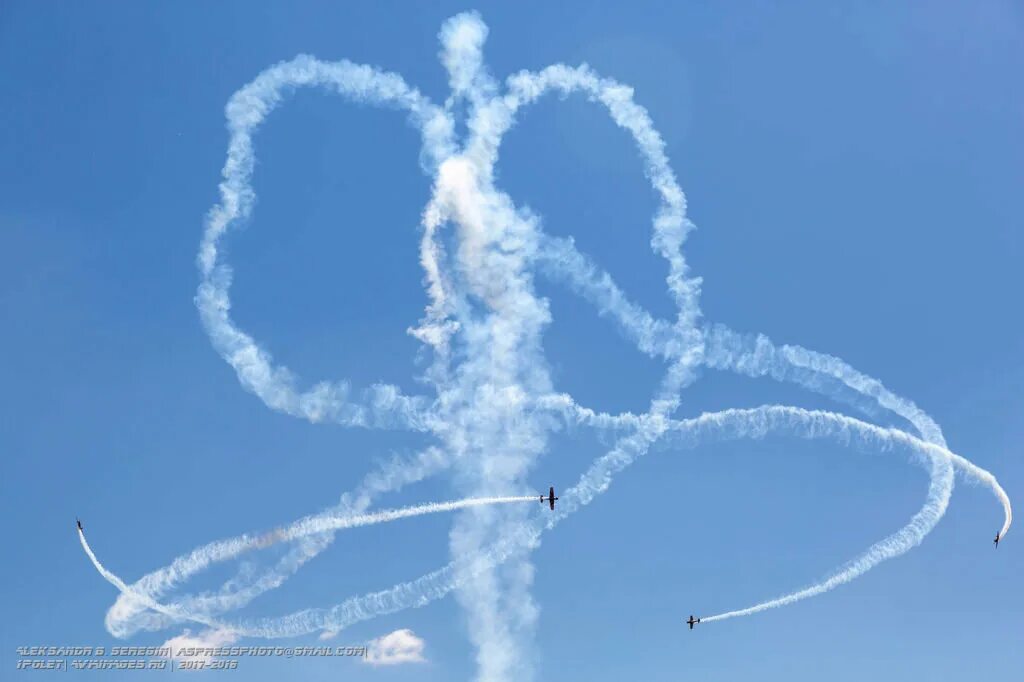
(144, 600)
(757, 356)
(159, 582)
(379, 405)
(494, 404)
(712, 427)
(127, 616)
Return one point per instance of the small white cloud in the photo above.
(401, 646)
(204, 640)
(327, 634)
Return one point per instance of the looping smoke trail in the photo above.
(147, 590)
(494, 404)
(726, 425)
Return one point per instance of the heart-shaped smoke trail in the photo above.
(494, 405)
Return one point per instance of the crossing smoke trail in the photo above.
(712, 427)
(146, 591)
(127, 591)
(494, 405)
(201, 558)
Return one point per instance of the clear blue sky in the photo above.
(855, 175)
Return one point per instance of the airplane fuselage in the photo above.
(550, 499)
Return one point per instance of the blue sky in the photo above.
(855, 178)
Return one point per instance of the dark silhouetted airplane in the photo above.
(996, 541)
(692, 621)
(79, 523)
(550, 499)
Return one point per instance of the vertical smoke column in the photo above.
(497, 327)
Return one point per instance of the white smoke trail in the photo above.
(712, 427)
(146, 591)
(380, 405)
(495, 405)
(127, 615)
(727, 350)
(757, 356)
(142, 599)
(317, 524)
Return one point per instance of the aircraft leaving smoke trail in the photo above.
(494, 403)
(712, 427)
(125, 590)
(159, 582)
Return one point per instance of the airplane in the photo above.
(550, 499)
(996, 541)
(79, 523)
(692, 622)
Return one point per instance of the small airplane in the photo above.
(550, 499)
(79, 523)
(692, 621)
(996, 541)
